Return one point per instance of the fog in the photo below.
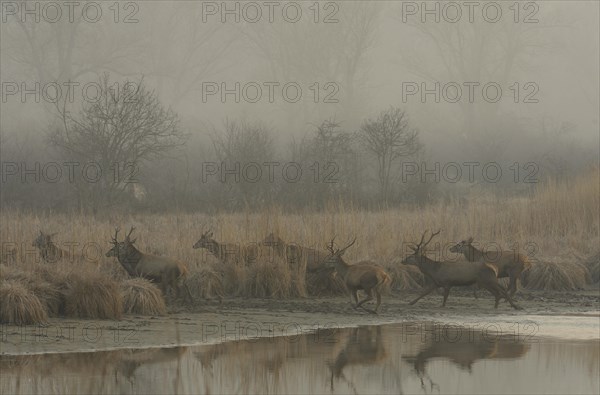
(498, 82)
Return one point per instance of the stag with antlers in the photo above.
(164, 271)
(450, 274)
(365, 276)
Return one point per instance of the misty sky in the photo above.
(365, 57)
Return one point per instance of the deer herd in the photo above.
(476, 268)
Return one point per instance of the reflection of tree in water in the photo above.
(464, 352)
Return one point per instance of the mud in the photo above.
(567, 315)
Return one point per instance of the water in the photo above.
(409, 358)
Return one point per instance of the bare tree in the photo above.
(333, 54)
(120, 131)
(245, 151)
(331, 164)
(479, 52)
(389, 138)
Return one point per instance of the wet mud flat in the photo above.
(317, 346)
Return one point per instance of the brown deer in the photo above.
(49, 252)
(365, 346)
(509, 264)
(451, 274)
(227, 253)
(363, 275)
(293, 253)
(164, 271)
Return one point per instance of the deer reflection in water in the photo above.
(464, 352)
(364, 346)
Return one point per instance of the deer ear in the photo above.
(470, 240)
(210, 234)
(412, 248)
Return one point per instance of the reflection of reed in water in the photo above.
(463, 352)
(365, 359)
(97, 367)
(264, 364)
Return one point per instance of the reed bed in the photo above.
(554, 219)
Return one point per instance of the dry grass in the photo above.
(47, 293)
(593, 265)
(271, 279)
(555, 218)
(93, 295)
(205, 283)
(405, 277)
(325, 283)
(19, 305)
(140, 296)
(556, 276)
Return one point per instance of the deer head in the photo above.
(43, 240)
(205, 240)
(461, 247)
(272, 240)
(120, 248)
(336, 253)
(419, 249)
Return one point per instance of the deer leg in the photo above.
(512, 285)
(512, 303)
(427, 291)
(354, 298)
(378, 294)
(369, 297)
(446, 293)
(189, 293)
(498, 291)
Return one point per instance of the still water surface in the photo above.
(409, 358)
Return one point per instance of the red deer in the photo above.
(293, 253)
(509, 264)
(164, 271)
(451, 274)
(227, 253)
(363, 275)
(49, 251)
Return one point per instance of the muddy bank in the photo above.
(571, 315)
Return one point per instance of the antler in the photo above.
(330, 246)
(130, 231)
(421, 246)
(114, 239)
(432, 236)
(340, 252)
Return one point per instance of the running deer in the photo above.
(509, 263)
(451, 274)
(227, 253)
(49, 251)
(293, 253)
(363, 275)
(164, 271)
